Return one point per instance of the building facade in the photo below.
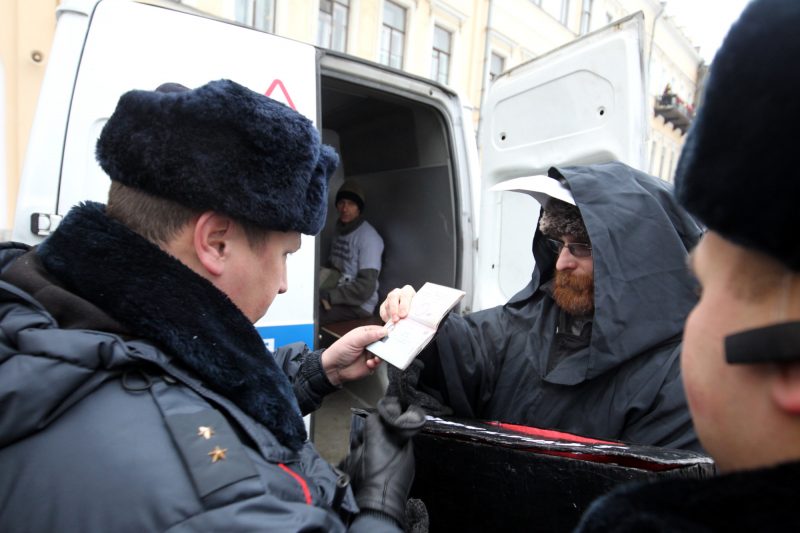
(26, 33)
(463, 44)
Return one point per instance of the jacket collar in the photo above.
(157, 297)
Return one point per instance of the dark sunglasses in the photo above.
(577, 249)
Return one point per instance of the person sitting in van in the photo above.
(591, 346)
(349, 290)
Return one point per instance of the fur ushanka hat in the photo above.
(221, 147)
(737, 172)
(560, 218)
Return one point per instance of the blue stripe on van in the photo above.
(277, 336)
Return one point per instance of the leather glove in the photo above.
(381, 468)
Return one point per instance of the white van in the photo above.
(401, 137)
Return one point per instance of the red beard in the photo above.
(574, 293)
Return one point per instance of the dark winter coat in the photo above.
(755, 500)
(623, 381)
(134, 396)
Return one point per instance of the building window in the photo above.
(497, 65)
(440, 63)
(557, 8)
(259, 14)
(332, 31)
(393, 35)
(586, 16)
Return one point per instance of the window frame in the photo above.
(502, 58)
(586, 17)
(332, 37)
(246, 11)
(388, 35)
(437, 54)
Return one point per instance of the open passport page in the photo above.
(410, 335)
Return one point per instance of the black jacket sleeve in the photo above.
(305, 372)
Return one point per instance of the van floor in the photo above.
(332, 420)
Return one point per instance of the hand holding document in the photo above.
(410, 335)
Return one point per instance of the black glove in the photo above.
(404, 384)
(381, 469)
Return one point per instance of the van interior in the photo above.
(398, 151)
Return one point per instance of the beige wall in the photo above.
(26, 33)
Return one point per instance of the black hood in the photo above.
(640, 241)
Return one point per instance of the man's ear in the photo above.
(786, 388)
(212, 235)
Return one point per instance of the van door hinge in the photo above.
(44, 224)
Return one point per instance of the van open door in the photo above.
(579, 104)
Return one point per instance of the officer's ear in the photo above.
(786, 388)
(212, 241)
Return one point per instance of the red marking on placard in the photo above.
(550, 434)
(278, 83)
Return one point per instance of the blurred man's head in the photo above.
(746, 414)
(349, 202)
(566, 234)
(223, 178)
(737, 174)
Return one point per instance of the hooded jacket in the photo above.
(622, 380)
(135, 396)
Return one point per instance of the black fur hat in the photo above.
(221, 147)
(737, 172)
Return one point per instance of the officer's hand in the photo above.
(397, 303)
(346, 359)
(382, 467)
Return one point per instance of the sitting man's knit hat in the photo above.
(351, 191)
(560, 218)
(737, 172)
(221, 147)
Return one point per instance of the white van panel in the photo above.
(582, 103)
(138, 46)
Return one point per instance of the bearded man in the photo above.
(591, 345)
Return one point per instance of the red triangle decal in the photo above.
(279, 84)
